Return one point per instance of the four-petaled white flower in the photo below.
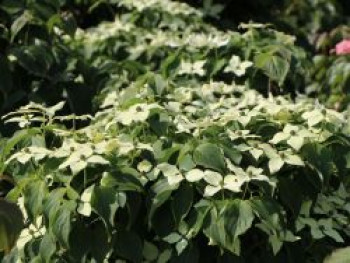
(26, 154)
(216, 182)
(321, 114)
(136, 113)
(278, 159)
(81, 157)
(237, 134)
(237, 66)
(294, 135)
(188, 68)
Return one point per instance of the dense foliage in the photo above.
(201, 147)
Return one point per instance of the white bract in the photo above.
(26, 154)
(237, 66)
(216, 182)
(144, 166)
(189, 68)
(84, 207)
(171, 173)
(278, 159)
(294, 135)
(135, 113)
(81, 157)
(320, 114)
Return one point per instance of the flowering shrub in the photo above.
(185, 161)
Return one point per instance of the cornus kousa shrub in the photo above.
(172, 40)
(214, 172)
(184, 160)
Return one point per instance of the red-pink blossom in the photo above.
(343, 47)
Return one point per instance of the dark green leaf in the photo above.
(106, 201)
(34, 194)
(274, 66)
(182, 202)
(229, 220)
(20, 23)
(209, 156)
(11, 224)
(128, 245)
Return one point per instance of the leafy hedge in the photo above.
(185, 161)
(36, 64)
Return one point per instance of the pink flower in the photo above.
(343, 47)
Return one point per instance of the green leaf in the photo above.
(319, 158)
(20, 23)
(35, 59)
(269, 212)
(34, 194)
(89, 240)
(274, 66)
(128, 245)
(182, 202)
(11, 224)
(61, 224)
(53, 202)
(172, 238)
(229, 220)
(163, 193)
(334, 234)
(276, 243)
(186, 162)
(290, 195)
(150, 251)
(164, 256)
(123, 180)
(210, 156)
(105, 201)
(234, 155)
(47, 248)
(181, 245)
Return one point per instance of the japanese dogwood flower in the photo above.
(237, 66)
(294, 135)
(188, 68)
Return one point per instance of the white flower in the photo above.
(171, 173)
(81, 157)
(278, 159)
(321, 114)
(216, 182)
(23, 156)
(237, 66)
(238, 134)
(136, 113)
(144, 166)
(294, 135)
(188, 68)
